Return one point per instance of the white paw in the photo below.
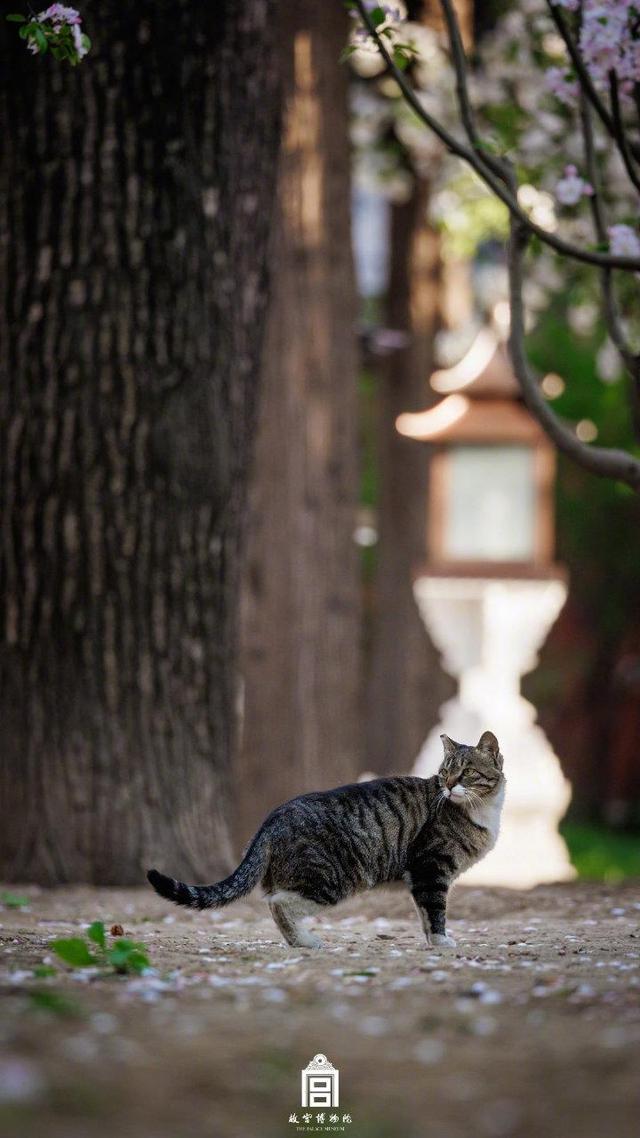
(308, 940)
(443, 940)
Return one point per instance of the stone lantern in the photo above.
(489, 593)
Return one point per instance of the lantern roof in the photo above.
(457, 418)
(482, 401)
(484, 371)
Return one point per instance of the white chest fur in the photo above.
(487, 813)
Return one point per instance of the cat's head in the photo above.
(470, 774)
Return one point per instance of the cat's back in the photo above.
(402, 791)
(377, 819)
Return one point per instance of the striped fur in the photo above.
(322, 847)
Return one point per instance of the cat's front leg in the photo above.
(430, 898)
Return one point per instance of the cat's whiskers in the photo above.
(473, 798)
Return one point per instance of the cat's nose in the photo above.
(457, 791)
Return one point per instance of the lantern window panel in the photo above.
(490, 504)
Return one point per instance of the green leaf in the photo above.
(44, 970)
(73, 951)
(12, 901)
(377, 17)
(96, 933)
(127, 956)
(16, 18)
(40, 39)
(25, 31)
(347, 52)
(86, 42)
(401, 60)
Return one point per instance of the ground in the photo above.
(529, 1028)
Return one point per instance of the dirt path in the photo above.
(530, 1027)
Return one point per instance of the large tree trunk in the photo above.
(406, 683)
(300, 611)
(136, 198)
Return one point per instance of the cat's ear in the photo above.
(449, 746)
(489, 744)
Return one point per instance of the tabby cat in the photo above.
(320, 848)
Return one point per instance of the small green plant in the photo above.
(12, 901)
(124, 957)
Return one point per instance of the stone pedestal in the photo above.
(489, 633)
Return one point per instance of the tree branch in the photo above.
(621, 134)
(609, 306)
(605, 462)
(600, 227)
(506, 189)
(458, 55)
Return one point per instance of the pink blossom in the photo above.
(561, 83)
(572, 187)
(623, 241)
(608, 42)
(78, 41)
(61, 15)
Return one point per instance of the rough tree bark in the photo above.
(136, 199)
(300, 611)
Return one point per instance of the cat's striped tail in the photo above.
(238, 884)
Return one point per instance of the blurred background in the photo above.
(429, 269)
(211, 525)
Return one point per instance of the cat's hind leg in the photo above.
(288, 909)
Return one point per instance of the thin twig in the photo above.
(636, 98)
(600, 227)
(603, 461)
(621, 134)
(458, 56)
(505, 190)
(609, 306)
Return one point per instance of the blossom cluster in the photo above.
(57, 29)
(609, 40)
(535, 125)
(59, 15)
